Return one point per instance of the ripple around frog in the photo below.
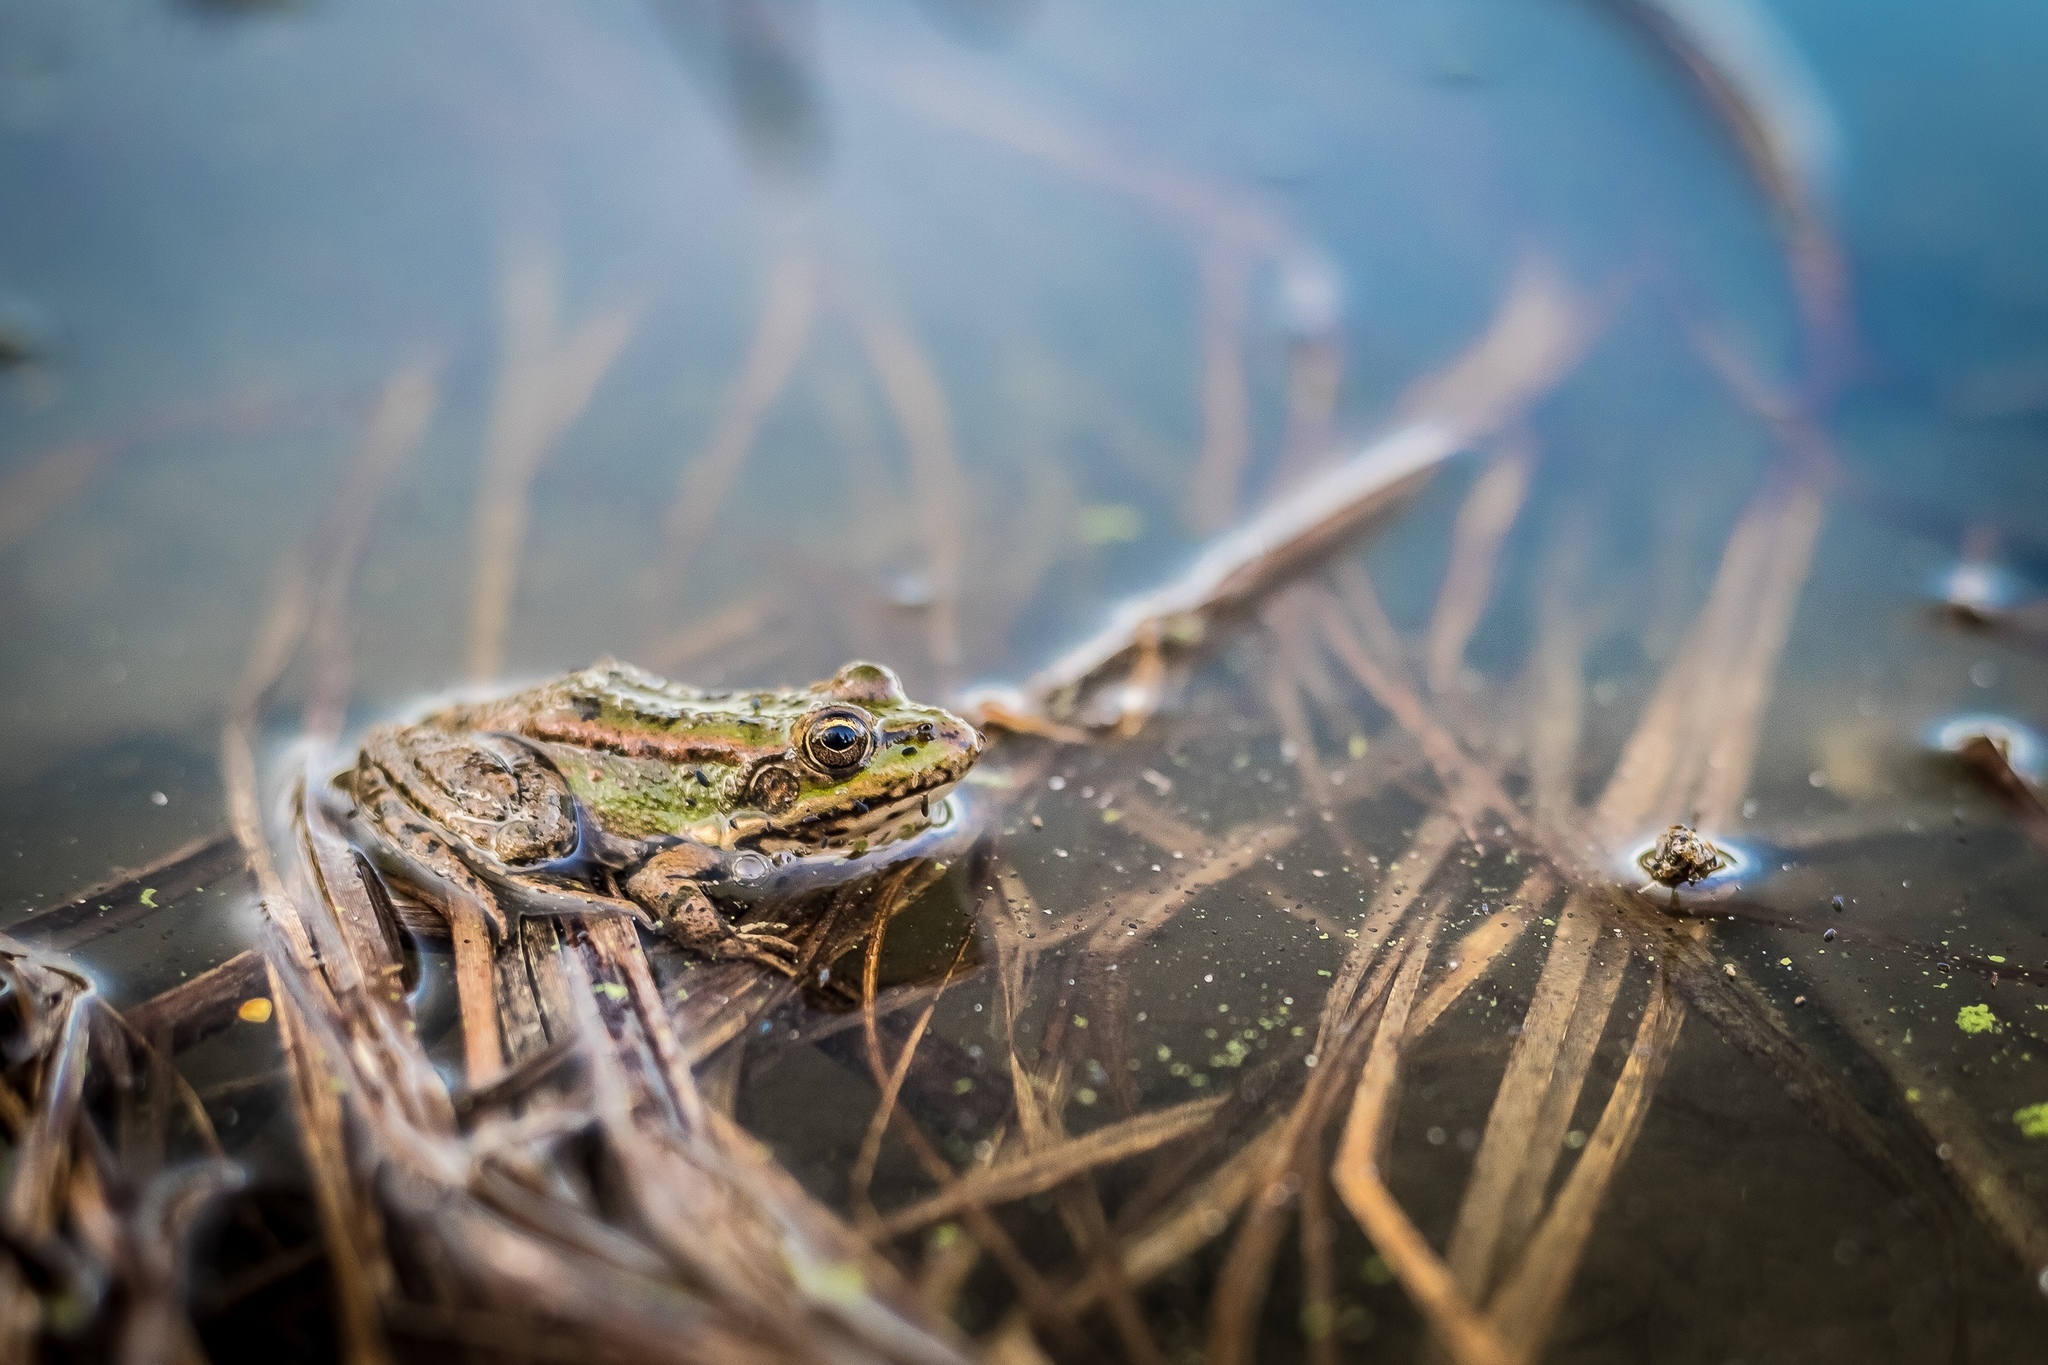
(1742, 863)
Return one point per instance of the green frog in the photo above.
(612, 791)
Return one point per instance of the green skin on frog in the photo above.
(612, 791)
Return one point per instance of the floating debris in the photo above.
(1681, 858)
(2023, 749)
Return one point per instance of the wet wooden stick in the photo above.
(476, 992)
(203, 1005)
(1538, 334)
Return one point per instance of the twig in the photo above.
(202, 1006)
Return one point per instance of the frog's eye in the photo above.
(837, 740)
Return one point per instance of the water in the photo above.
(1040, 295)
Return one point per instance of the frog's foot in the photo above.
(685, 914)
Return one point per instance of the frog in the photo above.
(613, 791)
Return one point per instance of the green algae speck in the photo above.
(1976, 1019)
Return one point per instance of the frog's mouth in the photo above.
(871, 825)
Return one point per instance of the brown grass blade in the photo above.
(1038, 1171)
(871, 1145)
(544, 384)
(918, 400)
(1537, 335)
(1473, 791)
(1516, 1154)
(1224, 391)
(781, 332)
(1525, 1307)
(1428, 1283)
(1477, 537)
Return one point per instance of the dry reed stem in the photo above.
(1224, 390)
(1428, 1283)
(1215, 209)
(1513, 1154)
(1473, 791)
(1401, 885)
(918, 401)
(1125, 920)
(1718, 677)
(1537, 335)
(476, 992)
(1370, 1126)
(781, 332)
(1525, 1308)
(1477, 537)
(397, 424)
(1192, 1221)
(1762, 88)
(1695, 742)
(1752, 672)
(871, 1145)
(544, 384)
(1035, 1172)
(1242, 1283)
(1476, 953)
(349, 1225)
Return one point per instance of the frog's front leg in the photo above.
(669, 886)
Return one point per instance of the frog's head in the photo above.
(863, 763)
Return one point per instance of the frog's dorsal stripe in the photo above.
(684, 747)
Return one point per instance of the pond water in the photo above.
(743, 340)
